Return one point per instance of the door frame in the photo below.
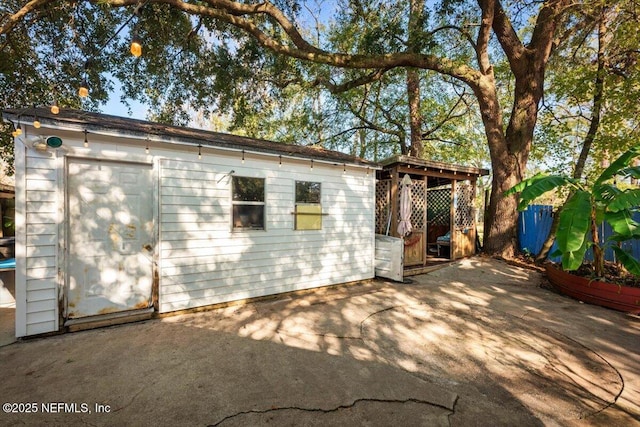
(63, 231)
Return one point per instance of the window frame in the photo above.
(262, 203)
(296, 225)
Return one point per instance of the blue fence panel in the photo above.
(534, 225)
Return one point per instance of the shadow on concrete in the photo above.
(478, 342)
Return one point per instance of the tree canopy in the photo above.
(455, 80)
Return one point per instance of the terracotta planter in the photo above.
(618, 297)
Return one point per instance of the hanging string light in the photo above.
(83, 92)
(146, 149)
(86, 141)
(199, 151)
(243, 157)
(136, 44)
(311, 164)
(36, 122)
(54, 107)
(136, 49)
(280, 161)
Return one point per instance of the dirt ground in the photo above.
(478, 342)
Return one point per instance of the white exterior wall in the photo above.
(36, 242)
(204, 262)
(200, 260)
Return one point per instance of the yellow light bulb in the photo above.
(18, 131)
(83, 92)
(54, 108)
(136, 48)
(36, 124)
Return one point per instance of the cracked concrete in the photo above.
(476, 343)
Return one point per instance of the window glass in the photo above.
(248, 216)
(247, 203)
(248, 189)
(307, 192)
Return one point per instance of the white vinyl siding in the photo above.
(200, 259)
(37, 241)
(203, 262)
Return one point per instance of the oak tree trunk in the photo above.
(415, 117)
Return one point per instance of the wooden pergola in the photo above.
(443, 213)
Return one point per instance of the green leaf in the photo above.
(573, 260)
(631, 172)
(615, 237)
(606, 192)
(625, 200)
(524, 184)
(534, 187)
(574, 222)
(629, 262)
(618, 165)
(622, 222)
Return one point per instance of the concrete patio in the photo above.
(478, 342)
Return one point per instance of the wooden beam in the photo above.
(434, 173)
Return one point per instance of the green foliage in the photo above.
(573, 229)
(629, 262)
(566, 114)
(538, 185)
(587, 208)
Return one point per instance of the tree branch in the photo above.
(507, 37)
(9, 22)
(239, 15)
(448, 117)
(484, 34)
(343, 87)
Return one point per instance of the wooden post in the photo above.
(453, 246)
(426, 224)
(474, 190)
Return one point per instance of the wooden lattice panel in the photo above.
(419, 204)
(383, 193)
(464, 206)
(439, 206)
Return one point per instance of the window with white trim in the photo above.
(308, 214)
(247, 203)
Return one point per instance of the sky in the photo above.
(116, 108)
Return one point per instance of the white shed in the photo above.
(118, 219)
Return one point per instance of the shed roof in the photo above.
(69, 119)
(402, 160)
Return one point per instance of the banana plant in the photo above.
(585, 210)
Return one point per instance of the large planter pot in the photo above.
(618, 297)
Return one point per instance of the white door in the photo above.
(110, 237)
(389, 257)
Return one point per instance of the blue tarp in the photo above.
(534, 225)
(7, 263)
